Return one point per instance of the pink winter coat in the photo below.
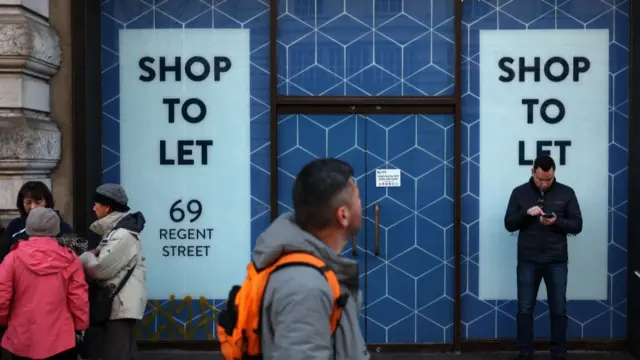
(43, 298)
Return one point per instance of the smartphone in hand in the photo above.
(548, 215)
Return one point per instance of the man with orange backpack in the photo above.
(301, 299)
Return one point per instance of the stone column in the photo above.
(30, 144)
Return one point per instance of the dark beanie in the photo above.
(113, 196)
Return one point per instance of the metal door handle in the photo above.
(377, 231)
(354, 247)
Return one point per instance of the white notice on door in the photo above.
(388, 178)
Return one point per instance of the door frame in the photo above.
(87, 160)
(633, 211)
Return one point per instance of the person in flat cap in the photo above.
(118, 258)
(44, 281)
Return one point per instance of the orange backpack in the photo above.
(239, 325)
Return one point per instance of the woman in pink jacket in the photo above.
(43, 293)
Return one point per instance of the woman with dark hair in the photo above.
(33, 194)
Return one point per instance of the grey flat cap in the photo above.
(112, 195)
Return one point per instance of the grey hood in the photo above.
(296, 299)
(284, 236)
(133, 222)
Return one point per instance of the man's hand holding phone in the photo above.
(545, 219)
(548, 219)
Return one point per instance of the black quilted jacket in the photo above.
(536, 242)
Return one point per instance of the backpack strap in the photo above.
(239, 325)
(124, 280)
(306, 259)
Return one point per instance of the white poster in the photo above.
(544, 92)
(388, 178)
(184, 155)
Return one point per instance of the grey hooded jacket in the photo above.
(119, 251)
(298, 301)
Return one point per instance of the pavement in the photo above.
(195, 355)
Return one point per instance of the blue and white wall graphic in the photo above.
(389, 47)
(184, 122)
(544, 92)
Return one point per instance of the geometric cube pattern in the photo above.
(587, 319)
(408, 285)
(191, 319)
(365, 47)
(373, 47)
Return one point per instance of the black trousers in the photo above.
(555, 277)
(115, 340)
(119, 340)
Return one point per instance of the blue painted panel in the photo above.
(365, 47)
(587, 319)
(408, 286)
(376, 47)
(302, 138)
(183, 319)
(410, 282)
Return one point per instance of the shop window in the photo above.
(384, 47)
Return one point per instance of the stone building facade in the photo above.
(35, 100)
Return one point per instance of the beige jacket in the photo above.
(119, 251)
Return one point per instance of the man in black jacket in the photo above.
(544, 212)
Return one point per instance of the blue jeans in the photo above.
(555, 277)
